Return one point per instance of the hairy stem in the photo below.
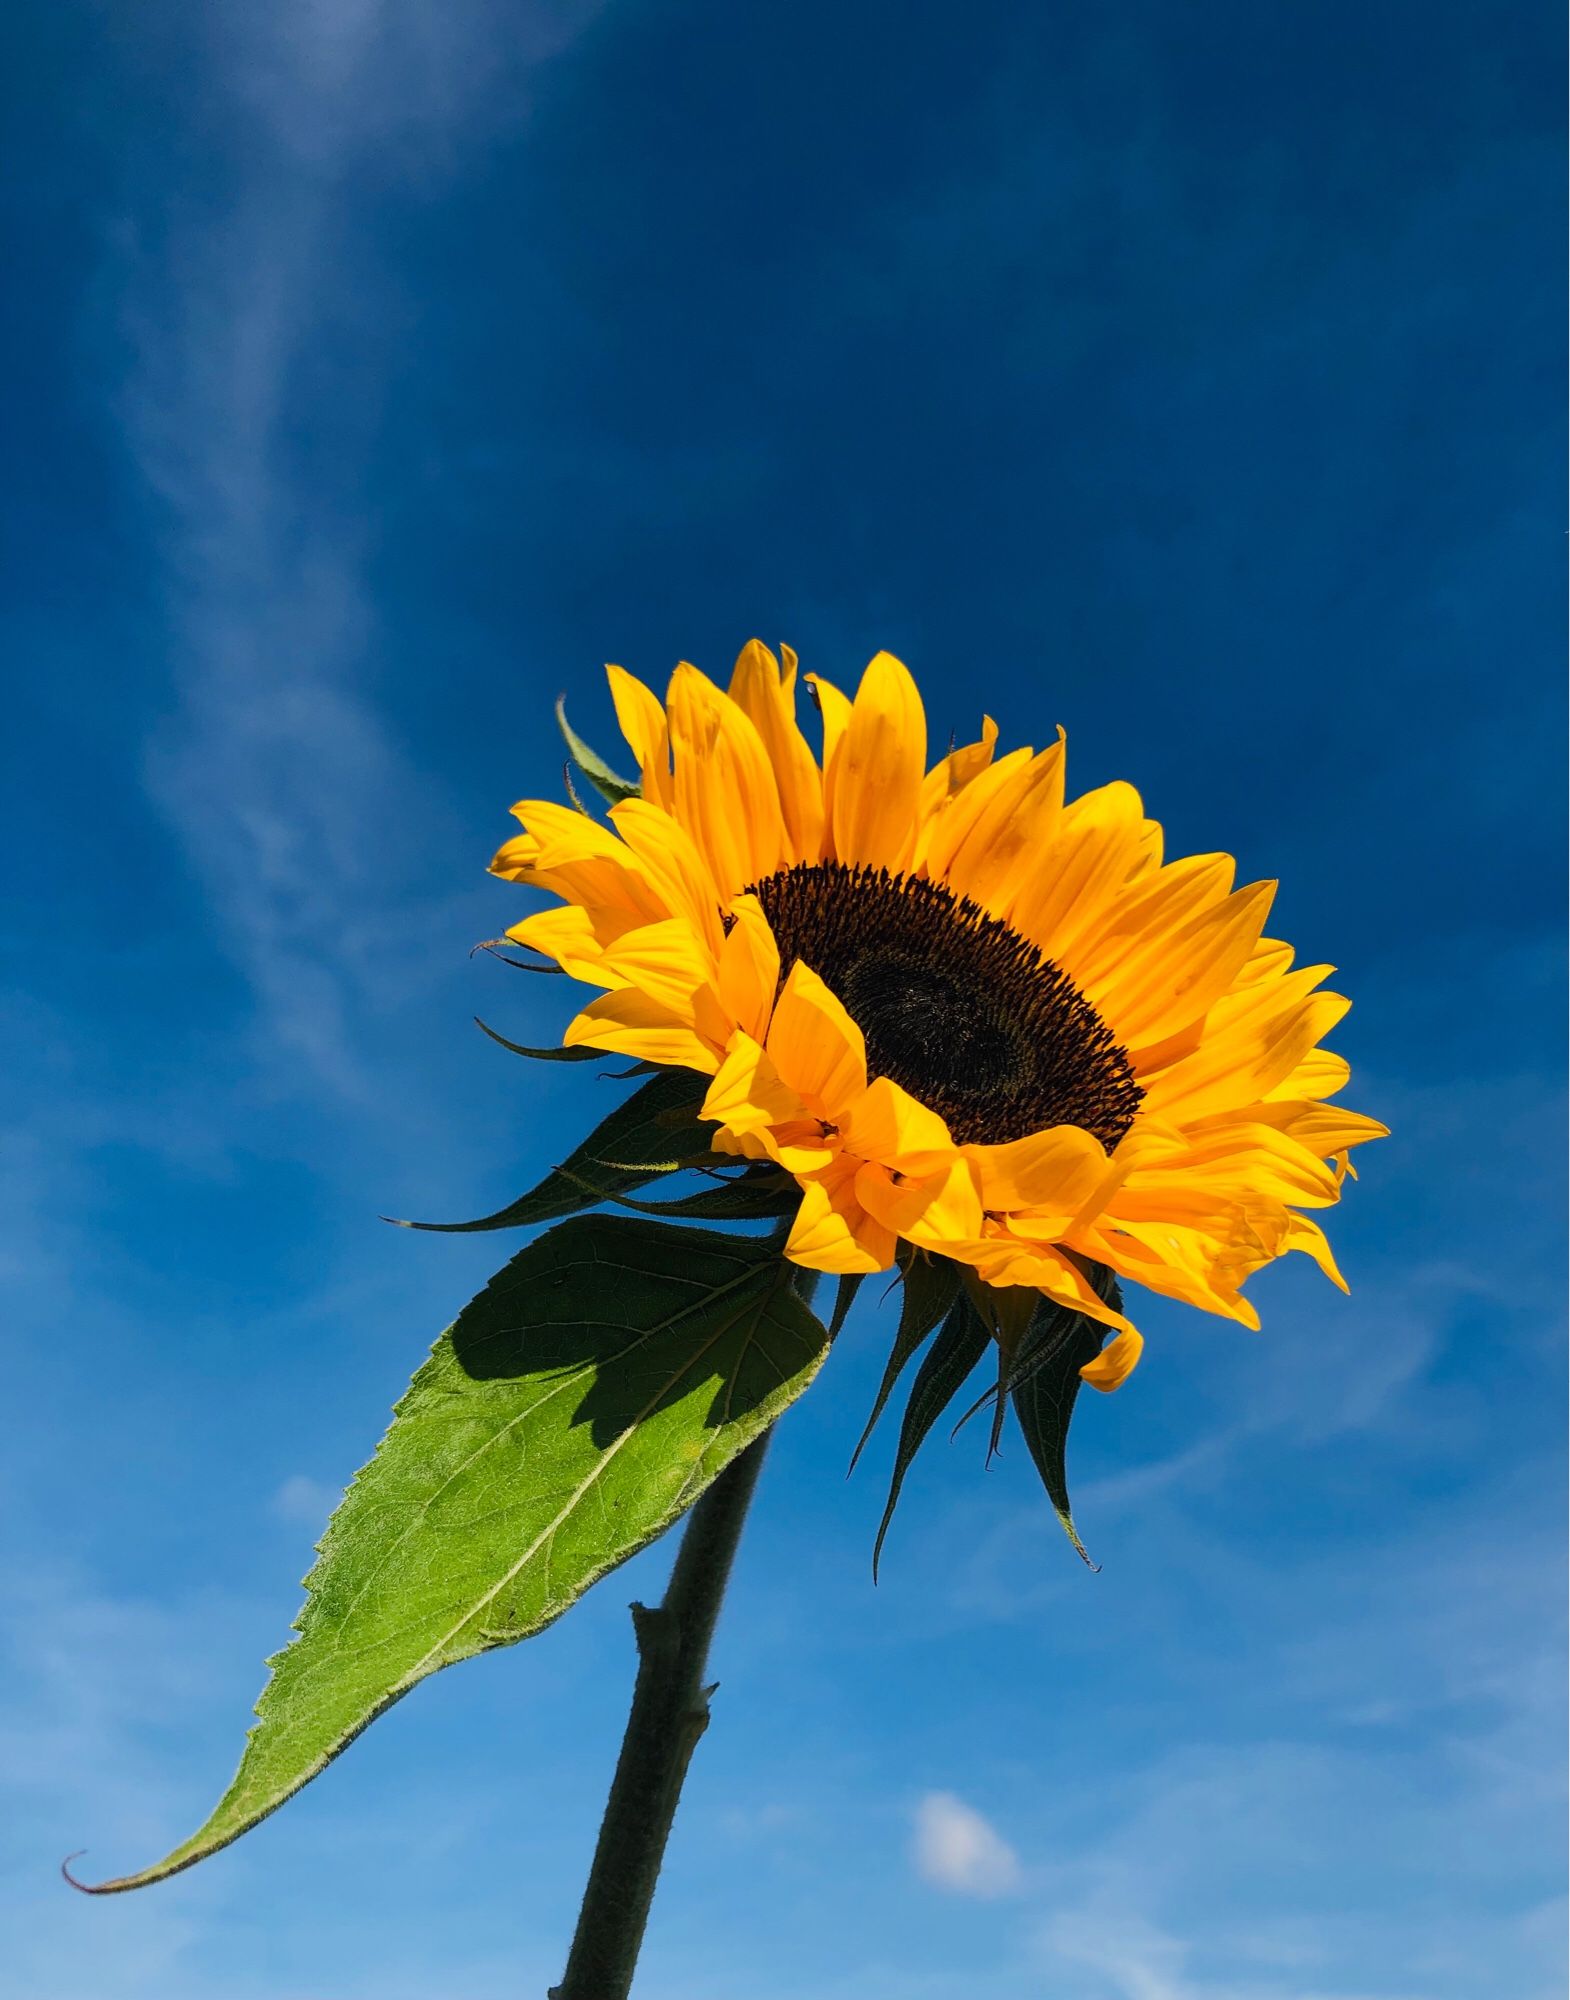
(670, 1711)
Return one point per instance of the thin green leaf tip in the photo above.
(572, 1412)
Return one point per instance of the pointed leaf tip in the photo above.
(611, 787)
(650, 1133)
(1044, 1384)
(575, 1408)
(543, 1055)
(962, 1341)
(931, 1285)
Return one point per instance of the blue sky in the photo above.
(380, 370)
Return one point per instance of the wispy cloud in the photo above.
(1136, 1960)
(263, 334)
(1460, 1641)
(957, 1848)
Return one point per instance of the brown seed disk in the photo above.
(969, 1017)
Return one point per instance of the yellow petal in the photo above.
(748, 1094)
(1115, 1363)
(946, 780)
(670, 860)
(833, 1232)
(932, 1210)
(1271, 958)
(1324, 1129)
(1227, 1160)
(726, 797)
(956, 817)
(515, 859)
(1306, 1235)
(1082, 870)
(1011, 833)
(583, 861)
(643, 724)
(816, 1046)
(1149, 907)
(664, 961)
(834, 708)
(886, 1123)
(557, 835)
(1172, 977)
(1056, 1170)
(1003, 1260)
(565, 934)
(1146, 1142)
(743, 1145)
(1320, 1074)
(951, 774)
(1062, 1279)
(749, 969)
(1152, 846)
(634, 1025)
(1179, 1263)
(767, 697)
(1254, 1037)
(878, 769)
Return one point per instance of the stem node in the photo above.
(670, 1712)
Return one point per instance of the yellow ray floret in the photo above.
(965, 1012)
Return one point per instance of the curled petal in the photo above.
(833, 1232)
(1115, 1363)
(816, 1046)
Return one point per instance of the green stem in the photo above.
(670, 1711)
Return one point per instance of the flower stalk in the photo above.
(670, 1711)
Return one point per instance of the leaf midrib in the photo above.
(584, 1486)
(749, 1271)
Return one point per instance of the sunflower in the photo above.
(965, 1014)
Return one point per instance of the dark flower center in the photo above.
(956, 1008)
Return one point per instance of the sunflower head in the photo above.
(967, 1016)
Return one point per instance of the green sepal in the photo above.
(493, 948)
(653, 1132)
(575, 1408)
(744, 1199)
(1044, 1384)
(962, 1340)
(930, 1288)
(1008, 1312)
(611, 787)
(845, 1292)
(543, 1055)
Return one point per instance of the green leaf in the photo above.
(931, 1285)
(585, 1399)
(611, 788)
(544, 1055)
(960, 1344)
(1044, 1385)
(655, 1130)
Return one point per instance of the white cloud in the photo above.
(957, 1849)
